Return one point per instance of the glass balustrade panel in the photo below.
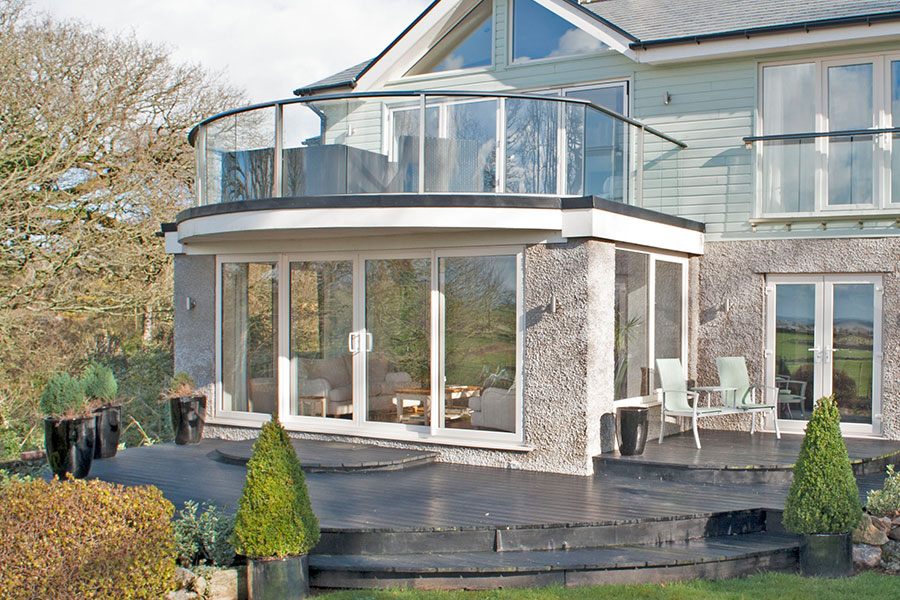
(240, 159)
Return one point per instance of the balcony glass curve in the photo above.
(424, 143)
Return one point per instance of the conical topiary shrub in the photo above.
(274, 517)
(824, 497)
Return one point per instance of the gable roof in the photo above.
(648, 23)
(656, 22)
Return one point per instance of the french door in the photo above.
(823, 337)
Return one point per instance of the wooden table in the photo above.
(420, 397)
(308, 405)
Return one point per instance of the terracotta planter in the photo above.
(278, 578)
(70, 445)
(188, 417)
(826, 555)
(109, 426)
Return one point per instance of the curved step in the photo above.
(719, 556)
(332, 457)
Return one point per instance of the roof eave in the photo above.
(771, 29)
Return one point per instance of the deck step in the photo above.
(565, 536)
(710, 557)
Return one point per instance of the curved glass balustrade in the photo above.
(430, 143)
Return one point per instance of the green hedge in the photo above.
(86, 540)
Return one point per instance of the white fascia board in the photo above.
(172, 245)
(596, 223)
(590, 25)
(407, 49)
(370, 220)
(770, 42)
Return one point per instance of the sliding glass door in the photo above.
(824, 338)
(368, 341)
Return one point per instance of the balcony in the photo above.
(438, 143)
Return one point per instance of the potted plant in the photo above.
(275, 526)
(69, 428)
(187, 407)
(823, 504)
(100, 388)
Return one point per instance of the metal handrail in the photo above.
(818, 134)
(443, 93)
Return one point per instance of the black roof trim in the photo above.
(630, 211)
(770, 29)
(352, 83)
(165, 228)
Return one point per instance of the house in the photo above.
(480, 241)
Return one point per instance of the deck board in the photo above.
(440, 495)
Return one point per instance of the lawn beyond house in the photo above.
(772, 586)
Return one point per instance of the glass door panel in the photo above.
(795, 349)
(321, 320)
(853, 338)
(396, 341)
(479, 333)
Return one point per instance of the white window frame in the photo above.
(359, 425)
(654, 256)
(823, 340)
(882, 144)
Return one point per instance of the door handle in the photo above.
(353, 342)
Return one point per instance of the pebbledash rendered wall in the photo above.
(567, 375)
(733, 303)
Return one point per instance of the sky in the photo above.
(267, 47)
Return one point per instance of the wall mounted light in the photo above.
(667, 97)
(189, 303)
(551, 307)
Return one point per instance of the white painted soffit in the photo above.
(415, 42)
(763, 43)
(627, 229)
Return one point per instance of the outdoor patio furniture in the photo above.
(674, 395)
(787, 397)
(733, 373)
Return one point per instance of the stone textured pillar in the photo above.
(195, 328)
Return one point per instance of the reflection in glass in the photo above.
(789, 101)
(321, 319)
(249, 337)
(398, 325)
(631, 347)
(539, 33)
(467, 44)
(479, 342)
(531, 141)
(465, 160)
(240, 157)
(602, 140)
(850, 158)
(667, 310)
(853, 350)
(795, 337)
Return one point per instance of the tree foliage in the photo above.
(93, 156)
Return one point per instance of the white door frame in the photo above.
(823, 346)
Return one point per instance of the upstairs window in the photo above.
(466, 45)
(839, 154)
(539, 33)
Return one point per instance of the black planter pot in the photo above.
(188, 417)
(278, 578)
(109, 426)
(826, 555)
(70, 446)
(632, 423)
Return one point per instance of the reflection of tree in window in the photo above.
(531, 127)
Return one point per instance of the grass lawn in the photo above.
(770, 586)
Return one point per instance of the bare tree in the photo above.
(93, 156)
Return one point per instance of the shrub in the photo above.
(824, 497)
(180, 386)
(63, 395)
(84, 539)
(99, 382)
(886, 501)
(274, 516)
(204, 538)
